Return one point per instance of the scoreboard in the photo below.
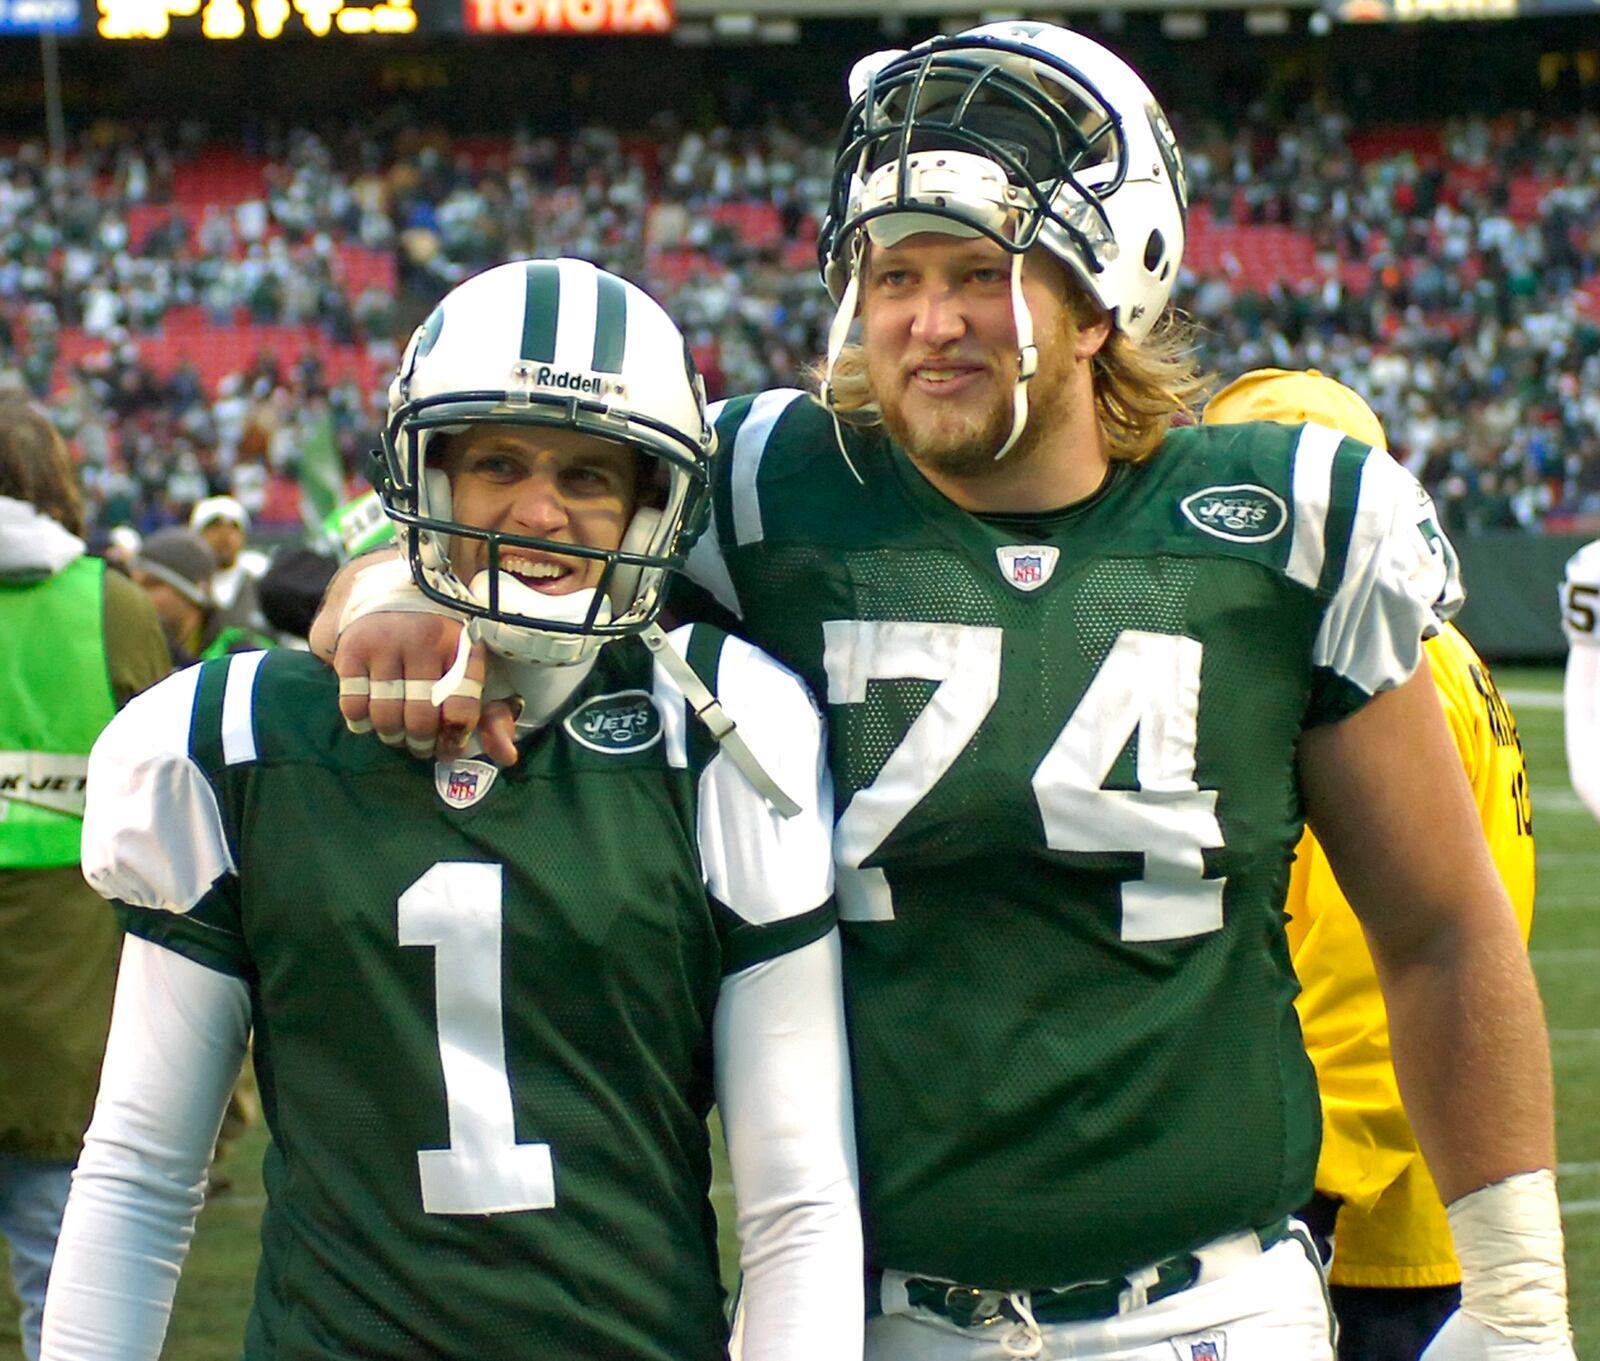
(226, 20)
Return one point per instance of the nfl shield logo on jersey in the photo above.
(463, 783)
(1027, 566)
(1207, 1349)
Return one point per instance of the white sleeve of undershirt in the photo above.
(178, 1036)
(782, 1077)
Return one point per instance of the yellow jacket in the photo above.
(1392, 1229)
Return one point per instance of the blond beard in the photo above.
(963, 447)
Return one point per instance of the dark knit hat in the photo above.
(182, 559)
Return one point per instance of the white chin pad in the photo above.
(534, 645)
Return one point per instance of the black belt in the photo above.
(970, 1306)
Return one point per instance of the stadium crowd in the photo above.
(1452, 274)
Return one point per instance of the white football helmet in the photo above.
(1025, 132)
(550, 343)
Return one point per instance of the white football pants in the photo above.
(1271, 1307)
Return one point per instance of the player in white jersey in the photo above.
(1580, 619)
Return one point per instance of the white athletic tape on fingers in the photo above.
(353, 685)
(359, 726)
(392, 739)
(409, 690)
(419, 748)
(454, 681)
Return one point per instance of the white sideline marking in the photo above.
(1569, 857)
(1576, 955)
(1520, 698)
(1577, 1169)
(1575, 1035)
(1580, 1207)
(1558, 801)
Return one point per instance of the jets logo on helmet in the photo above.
(563, 344)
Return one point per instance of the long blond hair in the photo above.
(1141, 387)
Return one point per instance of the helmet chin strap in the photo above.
(1027, 358)
(1027, 352)
(708, 709)
(838, 333)
(542, 669)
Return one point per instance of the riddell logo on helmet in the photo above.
(579, 384)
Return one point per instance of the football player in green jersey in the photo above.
(491, 1006)
(1088, 675)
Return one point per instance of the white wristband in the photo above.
(1513, 1276)
(387, 587)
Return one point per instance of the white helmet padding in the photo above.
(563, 344)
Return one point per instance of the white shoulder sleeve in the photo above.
(178, 1036)
(782, 1077)
(152, 830)
(706, 567)
(1580, 598)
(763, 866)
(1401, 579)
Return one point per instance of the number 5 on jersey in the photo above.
(1149, 684)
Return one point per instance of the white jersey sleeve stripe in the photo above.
(238, 708)
(153, 834)
(1313, 483)
(674, 717)
(749, 445)
(708, 569)
(1373, 628)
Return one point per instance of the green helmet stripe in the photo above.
(610, 324)
(540, 311)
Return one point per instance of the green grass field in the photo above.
(215, 1292)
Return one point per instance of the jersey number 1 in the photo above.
(456, 909)
(1149, 684)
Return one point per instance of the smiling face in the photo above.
(539, 483)
(941, 349)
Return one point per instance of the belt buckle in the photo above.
(971, 1307)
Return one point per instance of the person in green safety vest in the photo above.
(76, 643)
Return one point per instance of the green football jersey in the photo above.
(1063, 750)
(482, 998)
